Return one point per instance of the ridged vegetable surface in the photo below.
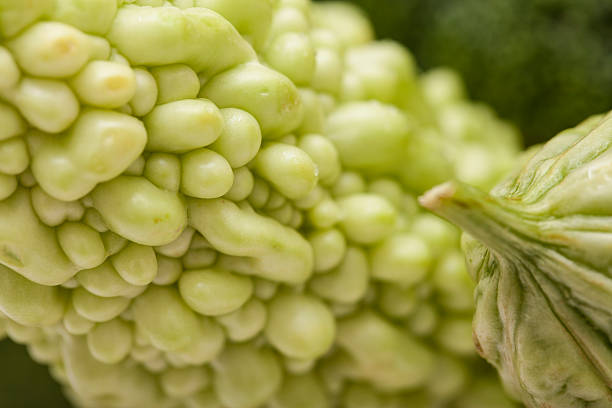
(539, 247)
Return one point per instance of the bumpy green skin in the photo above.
(211, 203)
(539, 66)
(539, 248)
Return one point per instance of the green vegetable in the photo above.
(539, 248)
(211, 203)
(539, 64)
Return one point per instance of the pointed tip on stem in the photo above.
(433, 198)
(479, 214)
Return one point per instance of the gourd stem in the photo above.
(481, 215)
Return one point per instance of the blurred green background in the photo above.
(25, 384)
(543, 64)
